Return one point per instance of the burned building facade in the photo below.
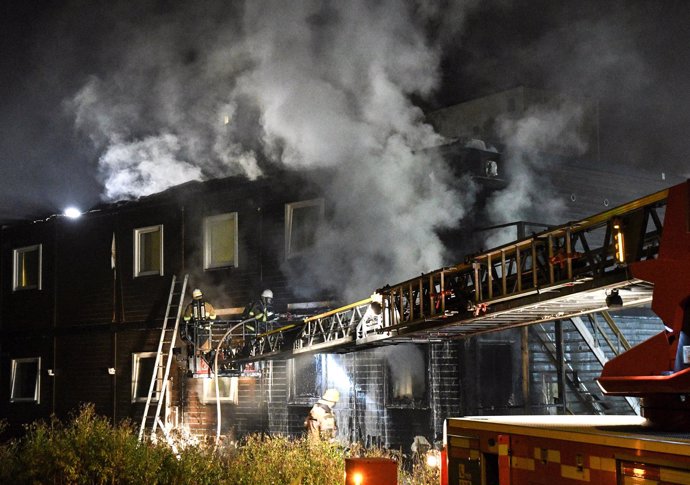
(82, 302)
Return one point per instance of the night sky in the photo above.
(632, 56)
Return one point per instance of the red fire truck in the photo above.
(605, 450)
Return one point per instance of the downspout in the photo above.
(55, 315)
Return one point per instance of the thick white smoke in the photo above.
(306, 84)
(333, 84)
(530, 142)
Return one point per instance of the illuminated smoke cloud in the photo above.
(306, 84)
(529, 195)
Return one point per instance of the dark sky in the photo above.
(631, 55)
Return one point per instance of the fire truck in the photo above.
(653, 448)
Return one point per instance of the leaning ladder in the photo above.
(164, 355)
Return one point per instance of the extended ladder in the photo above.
(164, 355)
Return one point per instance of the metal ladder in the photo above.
(164, 355)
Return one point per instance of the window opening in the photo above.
(27, 267)
(301, 222)
(406, 372)
(148, 251)
(220, 241)
(26, 380)
(306, 379)
(227, 389)
(142, 371)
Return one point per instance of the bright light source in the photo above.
(72, 212)
(433, 460)
(357, 479)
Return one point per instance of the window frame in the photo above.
(229, 216)
(37, 389)
(208, 395)
(136, 358)
(15, 267)
(289, 211)
(138, 232)
(392, 402)
(320, 379)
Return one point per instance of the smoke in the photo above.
(303, 85)
(333, 83)
(530, 142)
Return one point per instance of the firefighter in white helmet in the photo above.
(321, 423)
(199, 315)
(261, 310)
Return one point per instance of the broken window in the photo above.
(27, 268)
(220, 241)
(227, 390)
(306, 378)
(142, 373)
(301, 222)
(148, 251)
(406, 376)
(26, 380)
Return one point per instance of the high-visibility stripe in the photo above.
(522, 463)
(545, 454)
(603, 464)
(460, 442)
(574, 473)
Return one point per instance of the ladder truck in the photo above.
(653, 448)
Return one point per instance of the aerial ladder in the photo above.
(560, 273)
(163, 362)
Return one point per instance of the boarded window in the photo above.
(301, 222)
(220, 241)
(142, 374)
(148, 251)
(27, 268)
(26, 380)
(227, 390)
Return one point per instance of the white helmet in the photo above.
(267, 294)
(331, 396)
(196, 294)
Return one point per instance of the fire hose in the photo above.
(215, 371)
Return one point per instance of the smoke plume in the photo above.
(305, 85)
(529, 140)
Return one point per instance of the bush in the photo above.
(89, 450)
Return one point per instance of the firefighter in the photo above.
(321, 423)
(200, 314)
(260, 310)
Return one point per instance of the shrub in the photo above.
(89, 450)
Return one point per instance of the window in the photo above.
(301, 222)
(406, 376)
(227, 390)
(27, 268)
(495, 374)
(26, 380)
(142, 372)
(220, 241)
(305, 378)
(148, 251)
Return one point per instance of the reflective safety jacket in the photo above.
(320, 422)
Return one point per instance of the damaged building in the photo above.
(82, 301)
